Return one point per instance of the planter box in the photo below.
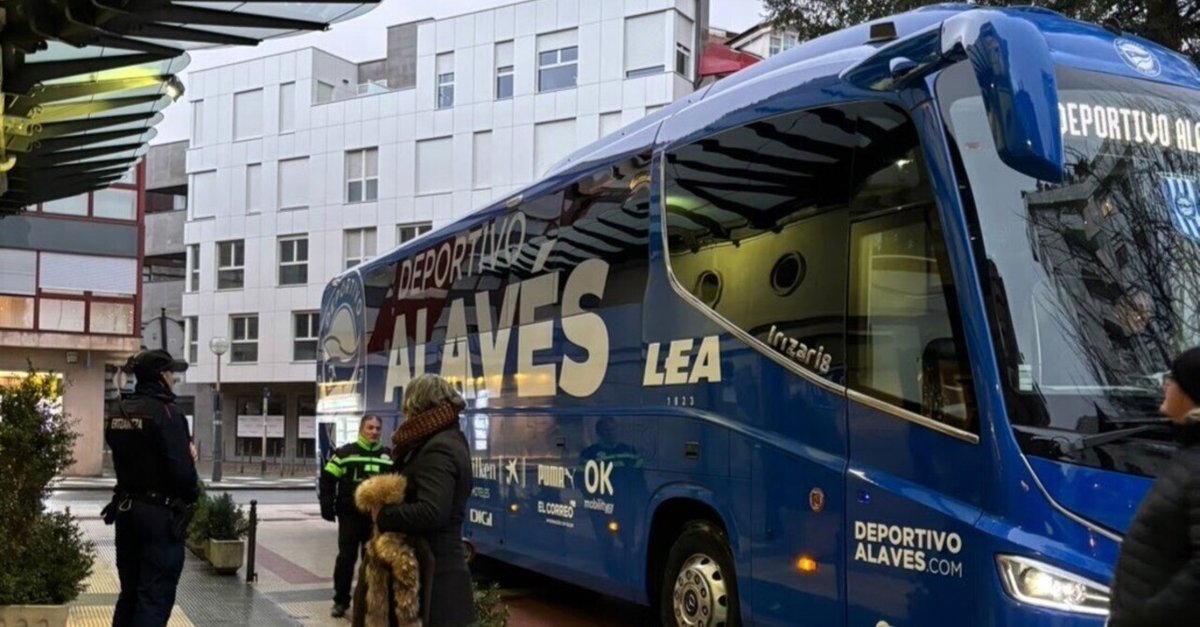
(34, 615)
(226, 555)
(199, 549)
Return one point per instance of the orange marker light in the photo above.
(614, 527)
(806, 565)
(514, 507)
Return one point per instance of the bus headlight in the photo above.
(1032, 582)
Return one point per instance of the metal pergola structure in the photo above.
(86, 81)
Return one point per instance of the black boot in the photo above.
(339, 611)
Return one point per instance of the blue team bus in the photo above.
(870, 334)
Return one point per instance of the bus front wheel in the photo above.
(699, 588)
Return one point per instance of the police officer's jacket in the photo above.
(150, 444)
(349, 466)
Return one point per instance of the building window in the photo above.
(558, 61)
(287, 107)
(644, 45)
(198, 123)
(193, 339)
(685, 35)
(254, 185)
(781, 42)
(248, 114)
(293, 183)
(481, 160)
(115, 203)
(409, 232)
(231, 265)
(435, 171)
(205, 192)
(243, 339)
(251, 424)
(324, 92)
(445, 80)
(110, 318)
(304, 344)
(504, 70)
(71, 206)
(359, 246)
(362, 175)
(306, 427)
(16, 312)
(193, 261)
(61, 315)
(293, 260)
(683, 60)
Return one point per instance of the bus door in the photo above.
(916, 471)
(756, 228)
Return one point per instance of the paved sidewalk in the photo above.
(105, 484)
(295, 555)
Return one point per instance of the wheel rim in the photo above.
(700, 596)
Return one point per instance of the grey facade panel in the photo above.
(164, 233)
(166, 166)
(82, 237)
(402, 56)
(372, 71)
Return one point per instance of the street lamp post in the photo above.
(266, 397)
(218, 346)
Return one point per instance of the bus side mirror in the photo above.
(1016, 77)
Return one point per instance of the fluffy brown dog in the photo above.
(391, 563)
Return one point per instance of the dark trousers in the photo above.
(149, 562)
(354, 529)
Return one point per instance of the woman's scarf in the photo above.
(420, 427)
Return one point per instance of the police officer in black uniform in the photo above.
(349, 466)
(156, 489)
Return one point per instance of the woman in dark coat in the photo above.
(1157, 579)
(431, 451)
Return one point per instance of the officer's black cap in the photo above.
(155, 361)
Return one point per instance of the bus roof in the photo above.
(1072, 42)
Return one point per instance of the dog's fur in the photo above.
(391, 563)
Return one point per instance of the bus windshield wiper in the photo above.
(1072, 442)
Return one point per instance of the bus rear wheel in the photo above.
(699, 588)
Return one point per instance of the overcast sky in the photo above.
(365, 38)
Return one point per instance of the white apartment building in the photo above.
(303, 164)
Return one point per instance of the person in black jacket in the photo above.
(431, 451)
(1157, 577)
(349, 466)
(156, 489)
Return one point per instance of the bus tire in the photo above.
(699, 586)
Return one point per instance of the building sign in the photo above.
(252, 426)
(308, 428)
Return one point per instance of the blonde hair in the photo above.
(428, 391)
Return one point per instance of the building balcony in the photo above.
(164, 233)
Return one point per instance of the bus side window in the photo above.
(904, 334)
(756, 220)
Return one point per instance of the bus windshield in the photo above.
(1093, 283)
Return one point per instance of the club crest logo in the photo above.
(1138, 57)
(1181, 196)
(342, 367)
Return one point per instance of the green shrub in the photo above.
(224, 519)
(490, 610)
(46, 558)
(197, 531)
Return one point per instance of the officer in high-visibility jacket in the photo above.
(349, 466)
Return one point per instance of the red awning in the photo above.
(720, 60)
